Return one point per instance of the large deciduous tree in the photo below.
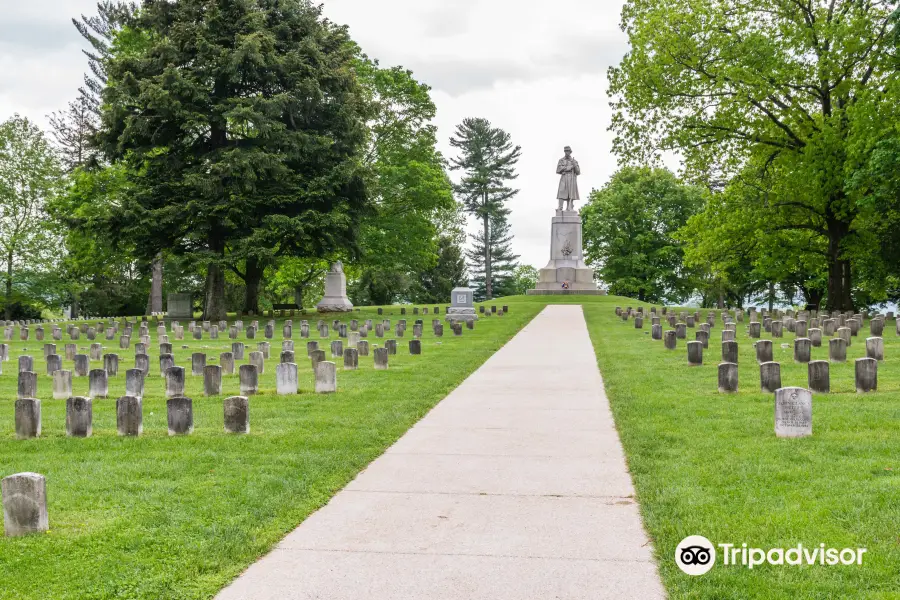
(242, 126)
(488, 160)
(785, 87)
(406, 181)
(29, 177)
(629, 233)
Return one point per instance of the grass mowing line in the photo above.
(709, 464)
(159, 517)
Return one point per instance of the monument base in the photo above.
(455, 314)
(334, 304)
(565, 292)
(335, 299)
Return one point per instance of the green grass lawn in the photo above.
(160, 517)
(709, 464)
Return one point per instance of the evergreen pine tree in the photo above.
(488, 159)
(502, 260)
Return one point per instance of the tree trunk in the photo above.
(298, 296)
(155, 301)
(214, 307)
(488, 287)
(839, 277)
(9, 263)
(771, 295)
(720, 304)
(254, 273)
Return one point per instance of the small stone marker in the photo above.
(79, 417)
(695, 353)
(793, 412)
(111, 364)
(656, 332)
(27, 385)
(287, 356)
(702, 337)
(315, 358)
(286, 378)
(362, 348)
(237, 414)
(82, 365)
(237, 349)
(28, 418)
(26, 363)
(134, 383)
(129, 416)
(755, 328)
(351, 359)
(212, 380)
(415, 347)
(249, 379)
(875, 348)
(198, 363)
(311, 347)
(777, 329)
(815, 336)
(681, 331)
(226, 361)
(391, 346)
(180, 414)
(844, 334)
(730, 352)
(837, 350)
(98, 386)
(337, 348)
(670, 340)
(728, 377)
(818, 376)
(866, 375)
(62, 384)
(174, 382)
(326, 377)
(257, 359)
(769, 377)
(381, 359)
(802, 350)
(24, 504)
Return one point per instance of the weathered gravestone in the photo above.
(249, 380)
(769, 377)
(793, 412)
(818, 376)
(286, 378)
(728, 377)
(24, 497)
(866, 375)
(180, 415)
(129, 416)
(237, 414)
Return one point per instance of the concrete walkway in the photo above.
(513, 487)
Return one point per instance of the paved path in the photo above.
(513, 487)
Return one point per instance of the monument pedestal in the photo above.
(335, 299)
(462, 305)
(566, 260)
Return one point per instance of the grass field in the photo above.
(159, 517)
(709, 464)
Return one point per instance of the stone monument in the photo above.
(566, 273)
(462, 306)
(179, 307)
(335, 299)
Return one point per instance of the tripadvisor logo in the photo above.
(696, 555)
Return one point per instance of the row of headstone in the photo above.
(129, 416)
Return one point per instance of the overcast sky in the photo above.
(534, 68)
